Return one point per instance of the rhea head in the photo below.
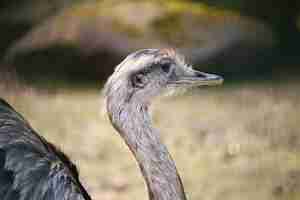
(147, 73)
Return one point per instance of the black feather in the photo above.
(30, 167)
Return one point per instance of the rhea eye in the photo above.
(166, 67)
(138, 80)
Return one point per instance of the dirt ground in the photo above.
(230, 143)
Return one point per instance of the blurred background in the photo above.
(239, 141)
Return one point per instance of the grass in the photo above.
(230, 143)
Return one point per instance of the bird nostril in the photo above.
(200, 74)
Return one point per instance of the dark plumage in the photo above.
(30, 167)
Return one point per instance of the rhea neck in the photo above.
(131, 119)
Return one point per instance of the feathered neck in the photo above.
(133, 123)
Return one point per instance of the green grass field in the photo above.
(229, 143)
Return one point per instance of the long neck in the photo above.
(133, 123)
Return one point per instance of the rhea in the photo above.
(33, 169)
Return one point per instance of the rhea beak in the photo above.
(196, 78)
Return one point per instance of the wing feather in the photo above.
(30, 167)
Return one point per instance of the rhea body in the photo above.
(26, 156)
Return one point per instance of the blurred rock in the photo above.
(18, 17)
(10, 31)
(89, 39)
(31, 11)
